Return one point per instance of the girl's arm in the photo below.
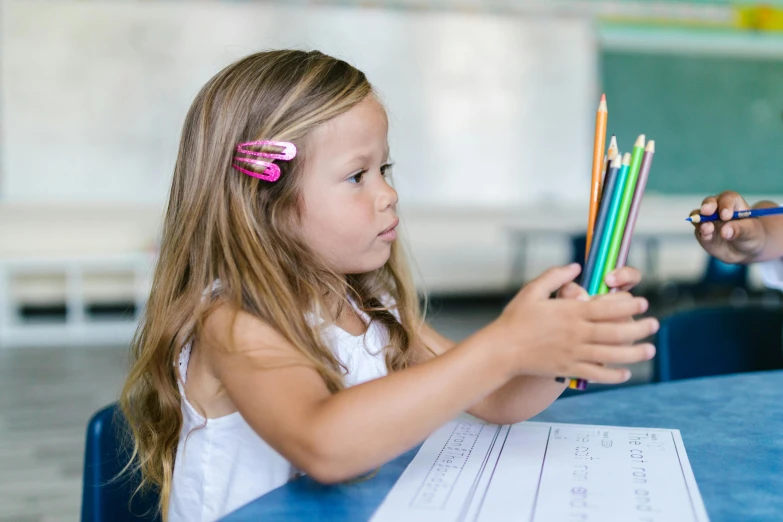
(333, 437)
(519, 399)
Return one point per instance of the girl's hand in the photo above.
(551, 337)
(623, 279)
(740, 241)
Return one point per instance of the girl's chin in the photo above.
(370, 266)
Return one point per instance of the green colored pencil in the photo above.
(622, 213)
(596, 278)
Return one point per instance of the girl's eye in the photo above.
(356, 178)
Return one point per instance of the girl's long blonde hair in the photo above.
(224, 225)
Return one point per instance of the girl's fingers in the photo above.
(550, 281)
(601, 374)
(599, 354)
(623, 277)
(626, 288)
(614, 307)
(614, 296)
(573, 291)
(622, 333)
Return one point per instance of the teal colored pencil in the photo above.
(596, 278)
(600, 222)
(622, 213)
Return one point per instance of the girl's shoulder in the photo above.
(228, 330)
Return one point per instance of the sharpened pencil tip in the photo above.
(639, 141)
(627, 158)
(650, 146)
(617, 161)
(613, 143)
(603, 97)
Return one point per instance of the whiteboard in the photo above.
(485, 110)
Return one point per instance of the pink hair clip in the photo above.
(271, 171)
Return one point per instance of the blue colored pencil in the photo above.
(600, 222)
(596, 278)
(604, 224)
(739, 214)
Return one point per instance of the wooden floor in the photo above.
(48, 395)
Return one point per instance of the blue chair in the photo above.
(719, 281)
(105, 496)
(718, 341)
(718, 273)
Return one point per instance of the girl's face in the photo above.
(349, 215)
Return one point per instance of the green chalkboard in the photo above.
(717, 121)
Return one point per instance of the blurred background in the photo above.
(492, 107)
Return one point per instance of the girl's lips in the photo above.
(390, 234)
(391, 228)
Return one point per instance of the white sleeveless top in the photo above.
(772, 273)
(222, 464)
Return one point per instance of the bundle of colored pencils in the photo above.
(616, 193)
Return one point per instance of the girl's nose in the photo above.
(387, 196)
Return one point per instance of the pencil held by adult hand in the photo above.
(731, 241)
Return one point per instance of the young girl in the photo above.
(283, 335)
(745, 240)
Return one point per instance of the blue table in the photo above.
(732, 427)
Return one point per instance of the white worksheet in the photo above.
(540, 472)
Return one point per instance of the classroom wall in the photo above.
(482, 107)
(92, 96)
(490, 112)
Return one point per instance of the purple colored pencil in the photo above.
(625, 246)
